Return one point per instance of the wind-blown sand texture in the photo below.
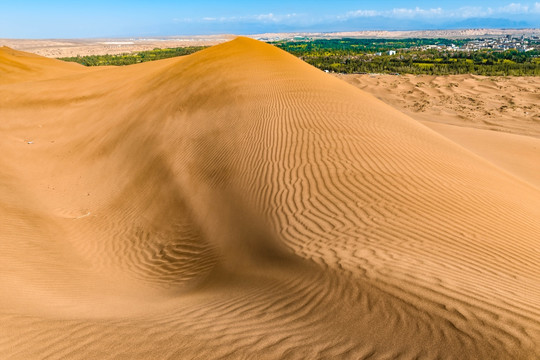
(239, 203)
(497, 118)
(505, 104)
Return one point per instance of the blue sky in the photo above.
(99, 18)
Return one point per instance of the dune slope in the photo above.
(238, 203)
(503, 104)
(18, 66)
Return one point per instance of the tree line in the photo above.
(133, 58)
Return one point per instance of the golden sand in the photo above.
(238, 203)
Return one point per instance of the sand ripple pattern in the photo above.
(238, 203)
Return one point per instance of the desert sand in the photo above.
(497, 118)
(58, 48)
(503, 104)
(239, 203)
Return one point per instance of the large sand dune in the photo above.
(238, 203)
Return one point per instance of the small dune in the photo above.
(239, 203)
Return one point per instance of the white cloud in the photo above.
(265, 17)
(396, 13)
(400, 12)
(463, 12)
(362, 13)
(270, 17)
(513, 8)
(470, 11)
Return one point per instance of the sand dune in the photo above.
(503, 104)
(494, 117)
(17, 66)
(517, 154)
(238, 203)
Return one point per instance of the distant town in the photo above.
(523, 43)
(509, 55)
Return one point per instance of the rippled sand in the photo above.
(238, 203)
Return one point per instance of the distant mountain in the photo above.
(387, 23)
(491, 23)
(374, 23)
